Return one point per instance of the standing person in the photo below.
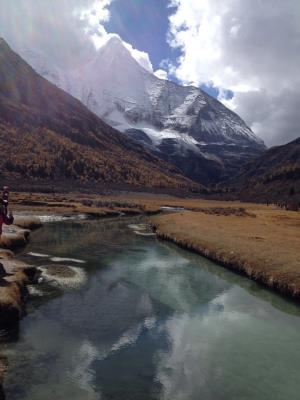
(5, 198)
(4, 218)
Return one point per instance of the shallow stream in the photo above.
(141, 319)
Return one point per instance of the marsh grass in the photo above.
(265, 248)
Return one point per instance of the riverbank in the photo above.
(14, 274)
(257, 240)
(260, 242)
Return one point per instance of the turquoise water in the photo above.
(145, 320)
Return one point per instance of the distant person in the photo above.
(5, 194)
(4, 218)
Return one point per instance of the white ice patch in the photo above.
(138, 227)
(173, 209)
(141, 229)
(31, 253)
(71, 282)
(144, 233)
(62, 259)
(56, 259)
(58, 218)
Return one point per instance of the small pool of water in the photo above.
(147, 321)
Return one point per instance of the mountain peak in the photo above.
(114, 41)
(115, 51)
(114, 44)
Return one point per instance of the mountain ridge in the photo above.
(275, 176)
(180, 124)
(45, 133)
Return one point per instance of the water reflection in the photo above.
(235, 350)
(150, 322)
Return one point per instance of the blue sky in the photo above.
(144, 24)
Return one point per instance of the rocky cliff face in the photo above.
(181, 124)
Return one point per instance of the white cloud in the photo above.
(161, 74)
(93, 18)
(251, 47)
(60, 30)
(66, 32)
(97, 12)
(140, 56)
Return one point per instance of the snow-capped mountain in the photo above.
(182, 124)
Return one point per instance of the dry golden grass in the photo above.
(261, 241)
(265, 247)
(154, 202)
(140, 202)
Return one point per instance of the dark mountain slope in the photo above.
(47, 134)
(274, 176)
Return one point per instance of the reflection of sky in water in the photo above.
(151, 322)
(231, 352)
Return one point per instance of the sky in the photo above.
(246, 53)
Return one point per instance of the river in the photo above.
(145, 320)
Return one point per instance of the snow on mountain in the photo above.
(182, 124)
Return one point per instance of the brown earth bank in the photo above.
(14, 278)
(260, 242)
(14, 274)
